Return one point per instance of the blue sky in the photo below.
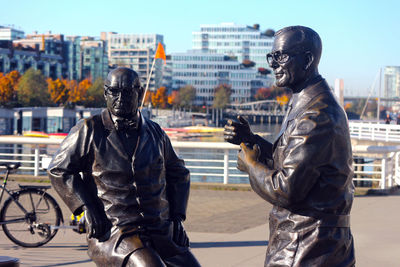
(359, 37)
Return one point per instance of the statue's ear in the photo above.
(309, 60)
(104, 92)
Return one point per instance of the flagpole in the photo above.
(147, 83)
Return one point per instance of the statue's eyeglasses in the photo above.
(280, 57)
(117, 91)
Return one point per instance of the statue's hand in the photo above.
(97, 223)
(247, 157)
(238, 132)
(179, 235)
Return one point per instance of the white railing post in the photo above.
(226, 166)
(383, 172)
(373, 133)
(37, 161)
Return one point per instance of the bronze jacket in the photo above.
(310, 184)
(93, 167)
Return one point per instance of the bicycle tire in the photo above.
(34, 230)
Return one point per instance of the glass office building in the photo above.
(205, 71)
(240, 41)
(392, 81)
(135, 51)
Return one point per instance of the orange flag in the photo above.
(160, 53)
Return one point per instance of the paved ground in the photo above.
(228, 228)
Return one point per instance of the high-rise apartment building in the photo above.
(43, 52)
(392, 81)
(205, 71)
(94, 58)
(240, 41)
(72, 56)
(10, 33)
(135, 51)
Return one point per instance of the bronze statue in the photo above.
(122, 170)
(307, 173)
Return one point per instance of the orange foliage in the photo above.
(8, 86)
(159, 99)
(173, 99)
(282, 100)
(348, 106)
(263, 93)
(58, 90)
(147, 98)
(77, 92)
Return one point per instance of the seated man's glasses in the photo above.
(117, 91)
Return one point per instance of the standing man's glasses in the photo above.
(280, 57)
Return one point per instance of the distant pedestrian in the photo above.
(388, 119)
(398, 119)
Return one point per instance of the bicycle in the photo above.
(30, 217)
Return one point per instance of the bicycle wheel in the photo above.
(34, 228)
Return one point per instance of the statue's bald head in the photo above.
(122, 78)
(299, 39)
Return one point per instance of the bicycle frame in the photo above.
(11, 194)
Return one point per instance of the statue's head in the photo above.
(123, 92)
(295, 56)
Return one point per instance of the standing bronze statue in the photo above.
(122, 170)
(307, 173)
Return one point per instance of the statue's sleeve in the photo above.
(69, 161)
(310, 146)
(178, 181)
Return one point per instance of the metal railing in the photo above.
(374, 131)
(211, 161)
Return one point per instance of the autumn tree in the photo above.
(78, 92)
(222, 96)
(174, 99)
(147, 98)
(8, 88)
(160, 98)
(58, 90)
(32, 89)
(263, 93)
(95, 94)
(187, 94)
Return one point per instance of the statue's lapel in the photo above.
(113, 138)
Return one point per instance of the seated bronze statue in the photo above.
(307, 172)
(122, 170)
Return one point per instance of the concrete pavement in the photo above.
(229, 228)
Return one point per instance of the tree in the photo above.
(95, 94)
(32, 89)
(263, 93)
(248, 63)
(187, 95)
(159, 99)
(78, 92)
(58, 90)
(174, 99)
(264, 71)
(147, 98)
(222, 96)
(8, 88)
(269, 33)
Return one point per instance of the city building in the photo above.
(240, 41)
(392, 81)
(205, 71)
(94, 57)
(134, 51)
(10, 33)
(72, 57)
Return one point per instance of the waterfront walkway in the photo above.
(229, 228)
